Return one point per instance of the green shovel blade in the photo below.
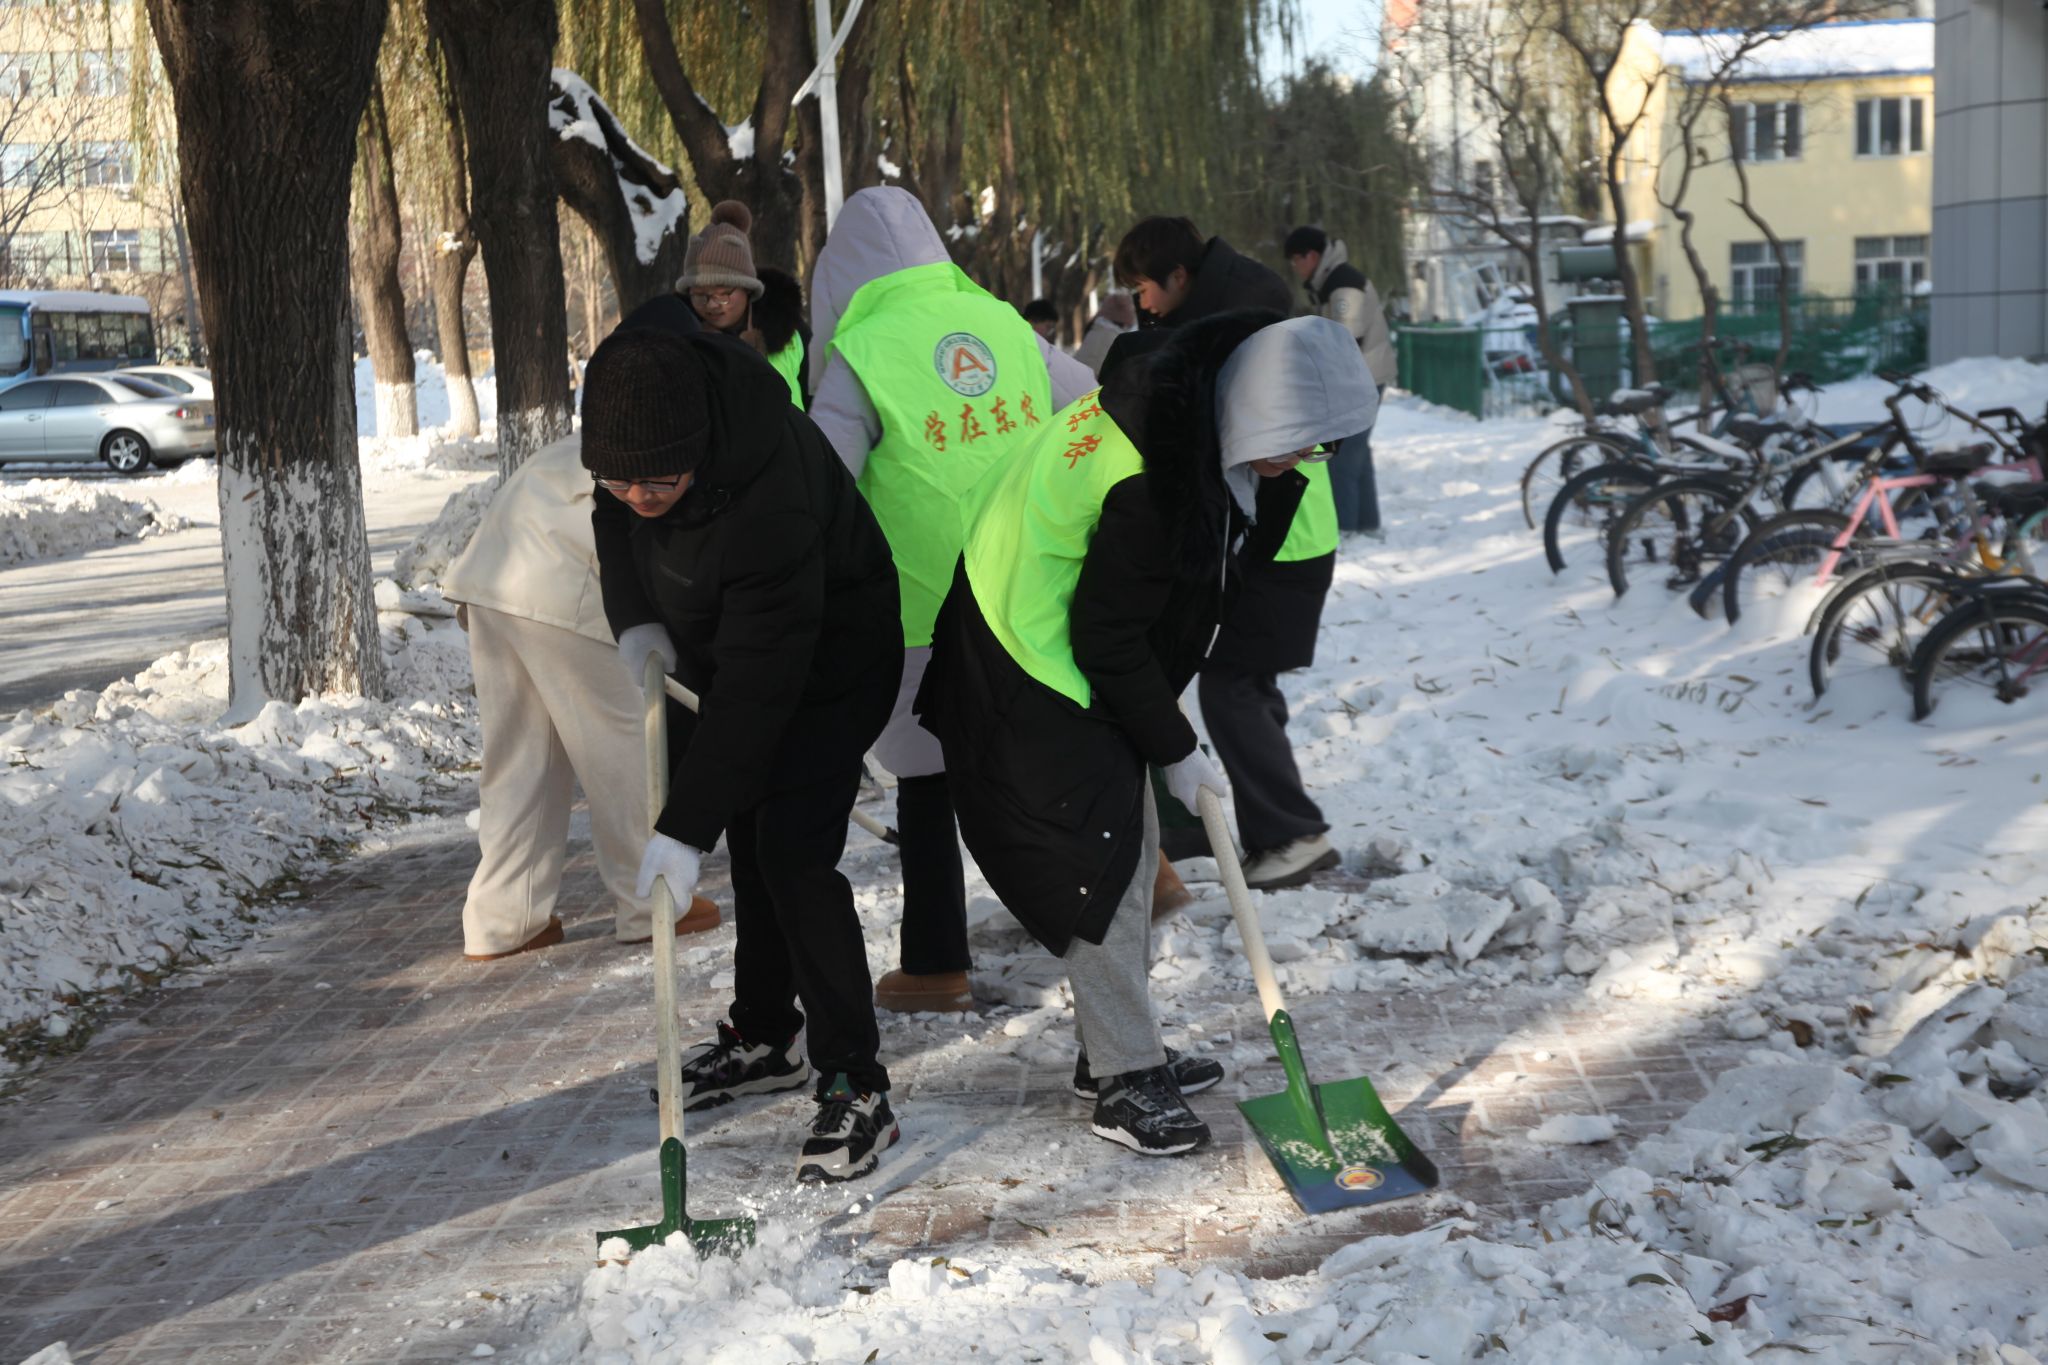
(728, 1236)
(1335, 1146)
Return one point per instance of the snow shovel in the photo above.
(858, 816)
(730, 1235)
(1334, 1145)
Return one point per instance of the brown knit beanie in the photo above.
(720, 255)
(645, 415)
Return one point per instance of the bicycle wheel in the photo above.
(1588, 501)
(1874, 620)
(1782, 551)
(1996, 641)
(1558, 462)
(1680, 529)
(1820, 484)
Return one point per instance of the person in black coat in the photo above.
(1272, 627)
(1051, 791)
(732, 542)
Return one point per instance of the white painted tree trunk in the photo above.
(463, 419)
(296, 551)
(398, 408)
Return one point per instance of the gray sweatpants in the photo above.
(1111, 979)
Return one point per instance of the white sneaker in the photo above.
(1291, 864)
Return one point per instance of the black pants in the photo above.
(934, 937)
(1247, 720)
(799, 937)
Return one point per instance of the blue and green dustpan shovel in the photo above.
(1334, 1145)
(730, 1235)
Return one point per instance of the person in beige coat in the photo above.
(556, 707)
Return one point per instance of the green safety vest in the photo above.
(789, 363)
(958, 382)
(1031, 527)
(1314, 532)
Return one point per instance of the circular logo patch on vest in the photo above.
(966, 363)
(1359, 1178)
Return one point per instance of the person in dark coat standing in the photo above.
(732, 543)
(1272, 626)
(1096, 569)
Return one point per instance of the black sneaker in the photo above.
(1192, 1074)
(849, 1135)
(1144, 1111)
(719, 1073)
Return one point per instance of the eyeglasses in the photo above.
(651, 485)
(1319, 455)
(719, 295)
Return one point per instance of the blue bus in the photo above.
(56, 331)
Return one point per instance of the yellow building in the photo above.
(1835, 128)
(74, 213)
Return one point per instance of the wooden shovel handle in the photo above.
(668, 1043)
(1241, 908)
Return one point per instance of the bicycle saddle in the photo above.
(1634, 402)
(1754, 431)
(2014, 501)
(1957, 461)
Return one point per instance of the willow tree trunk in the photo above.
(268, 98)
(499, 55)
(632, 204)
(454, 249)
(380, 299)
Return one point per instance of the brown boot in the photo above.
(548, 937)
(702, 915)
(933, 993)
(1169, 894)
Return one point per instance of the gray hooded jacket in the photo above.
(879, 232)
(1293, 385)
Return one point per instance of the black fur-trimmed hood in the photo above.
(1164, 399)
(779, 312)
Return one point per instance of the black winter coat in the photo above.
(1225, 281)
(778, 589)
(1049, 793)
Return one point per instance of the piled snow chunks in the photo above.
(135, 829)
(446, 537)
(48, 517)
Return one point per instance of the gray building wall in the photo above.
(1990, 244)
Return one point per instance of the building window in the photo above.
(103, 74)
(25, 75)
(1894, 126)
(106, 163)
(1767, 131)
(117, 251)
(1890, 265)
(1754, 271)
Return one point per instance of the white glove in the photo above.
(674, 862)
(1190, 775)
(642, 642)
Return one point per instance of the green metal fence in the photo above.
(1445, 365)
(1832, 339)
(1498, 372)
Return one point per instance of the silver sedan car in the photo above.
(130, 423)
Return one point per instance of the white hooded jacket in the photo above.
(1296, 384)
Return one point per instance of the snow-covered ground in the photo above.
(1532, 784)
(430, 384)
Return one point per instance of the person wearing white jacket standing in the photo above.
(555, 706)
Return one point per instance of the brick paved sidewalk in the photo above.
(347, 1143)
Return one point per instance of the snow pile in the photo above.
(430, 553)
(45, 518)
(137, 830)
(430, 383)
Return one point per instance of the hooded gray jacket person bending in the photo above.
(1098, 565)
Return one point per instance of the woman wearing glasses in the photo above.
(732, 543)
(765, 309)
